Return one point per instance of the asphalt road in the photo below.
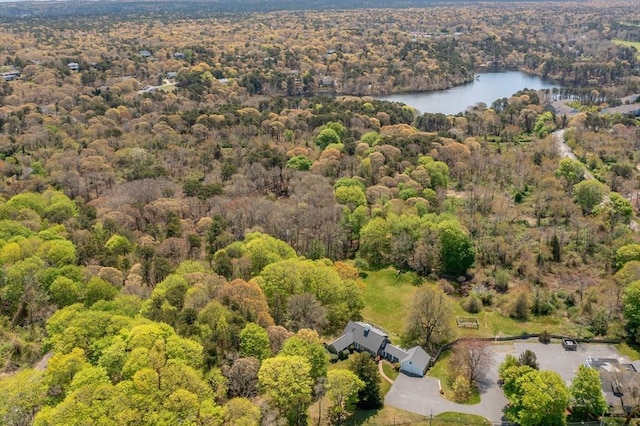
(422, 395)
(565, 151)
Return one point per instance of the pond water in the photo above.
(486, 88)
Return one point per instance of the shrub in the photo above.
(541, 304)
(486, 298)
(528, 357)
(544, 337)
(599, 324)
(461, 389)
(446, 286)
(343, 354)
(473, 305)
(520, 309)
(502, 278)
(570, 300)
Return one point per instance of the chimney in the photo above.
(367, 328)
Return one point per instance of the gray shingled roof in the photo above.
(361, 333)
(418, 357)
(372, 340)
(396, 351)
(342, 342)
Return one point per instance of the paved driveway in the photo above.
(555, 358)
(422, 395)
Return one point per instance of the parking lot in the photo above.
(555, 358)
(422, 396)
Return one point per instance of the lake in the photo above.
(486, 88)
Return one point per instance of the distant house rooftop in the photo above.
(11, 75)
(327, 81)
(628, 109)
(73, 66)
(619, 382)
(145, 53)
(179, 55)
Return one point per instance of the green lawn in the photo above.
(441, 371)
(391, 416)
(387, 299)
(635, 44)
(467, 419)
(339, 365)
(388, 369)
(492, 323)
(633, 352)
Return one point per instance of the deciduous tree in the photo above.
(305, 311)
(430, 320)
(287, 383)
(254, 342)
(587, 400)
(342, 390)
(243, 377)
(307, 344)
(631, 309)
(457, 253)
(540, 397)
(472, 359)
(242, 412)
(588, 194)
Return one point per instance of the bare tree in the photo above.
(430, 318)
(472, 358)
(305, 311)
(277, 336)
(243, 377)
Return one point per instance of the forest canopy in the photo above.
(191, 207)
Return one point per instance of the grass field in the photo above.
(339, 365)
(441, 370)
(394, 416)
(389, 370)
(635, 44)
(633, 352)
(388, 298)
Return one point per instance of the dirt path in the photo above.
(565, 151)
(39, 366)
(381, 371)
(42, 364)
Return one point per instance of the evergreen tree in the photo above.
(365, 368)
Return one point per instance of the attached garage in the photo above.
(416, 363)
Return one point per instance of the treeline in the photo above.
(160, 238)
(184, 10)
(359, 53)
(193, 347)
